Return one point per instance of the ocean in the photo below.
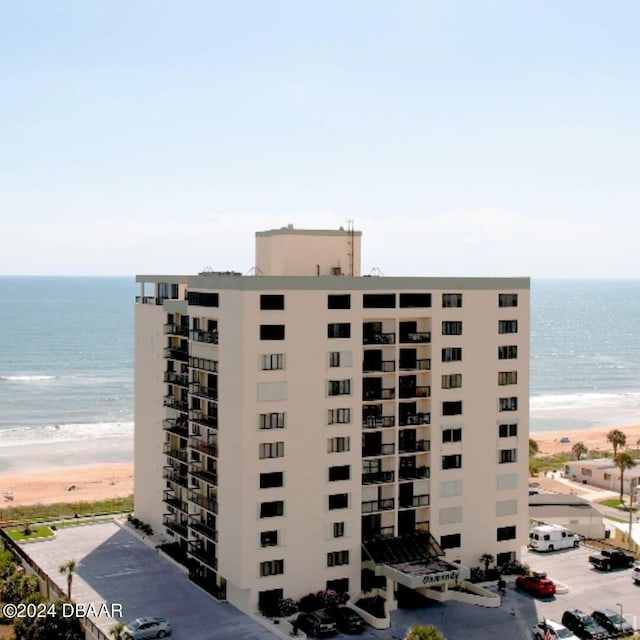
(66, 364)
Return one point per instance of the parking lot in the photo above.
(116, 567)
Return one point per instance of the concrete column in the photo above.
(390, 589)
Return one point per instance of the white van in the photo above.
(551, 537)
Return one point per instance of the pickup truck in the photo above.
(609, 559)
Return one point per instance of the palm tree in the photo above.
(69, 568)
(534, 448)
(624, 460)
(117, 631)
(423, 632)
(579, 449)
(617, 439)
(486, 559)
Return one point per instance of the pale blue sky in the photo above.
(462, 137)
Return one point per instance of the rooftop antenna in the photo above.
(375, 271)
(254, 271)
(350, 241)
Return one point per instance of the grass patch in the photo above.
(540, 464)
(35, 532)
(611, 502)
(61, 510)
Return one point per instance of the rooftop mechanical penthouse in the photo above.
(308, 427)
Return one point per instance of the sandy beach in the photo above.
(68, 484)
(550, 443)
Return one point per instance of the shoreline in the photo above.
(594, 438)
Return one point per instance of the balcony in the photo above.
(414, 473)
(423, 526)
(172, 475)
(205, 557)
(371, 506)
(415, 419)
(201, 418)
(414, 337)
(174, 502)
(378, 394)
(202, 446)
(378, 477)
(177, 427)
(378, 422)
(179, 379)
(422, 364)
(422, 500)
(210, 504)
(379, 338)
(380, 532)
(178, 454)
(172, 353)
(176, 330)
(176, 403)
(384, 366)
(387, 449)
(419, 446)
(209, 337)
(201, 390)
(176, 527)
(415, 392)
(210, 477)
(204, 529)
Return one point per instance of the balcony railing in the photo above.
(176, 403)
(414, 419)
(422, 500)
(178, 454)
(210, 337)
(180, 379)
(210, 504)
(379, 338)
(378, 422)
(204, 557)
(384, 366)
(176, 354)
(174, 502)
(414, 473)
(378, 394)
(176, 330)
(209, 449)
(415, 392)
(371, 506)
(380, 532)
(422, 526)
(422, 364)
(172, 475)
(197, 416)
(176, 527)
(414, 447)
(210, 477)
(416, 336)
(197, 389)
(205, 530)
(386, 449)
(378, 477)
(177, 427)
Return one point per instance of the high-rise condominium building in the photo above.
(308, 427)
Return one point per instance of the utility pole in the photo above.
(633, 483)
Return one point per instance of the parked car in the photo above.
(583, 625)
(141, 628)
(318, 624)
(555, 630)
(551, 537)
(613, 622)
(609, 559)
(635, 576)
(537, 584)
(347, 620)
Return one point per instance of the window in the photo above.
(454, 434)
(339, 301)
(270, 480)
(379, 300)
(271, 421)
(271, 568)
(338, 445)
(507, 326)
(585, 472)
(508, 404)
(342, 472)
(452, 408)
(341, 585)
(451, 299)
(271, 450)
(451, 327)
(509, 352)
(338, 501)
(339, 387)
(453, 381)
(415, 300)
(452, 462)
(506, 533)
(269, 538)
(507, 455)
(272, 361)
(271, 332)
(451, 488)
(337, 558)
(334, 359)
(507, 481)
(272, 509)
(505, 558)
(452, 541)
(269, 302)
(507, 377)
(198, 299)
(338, 529)
(507, 299)
(451, 354)
(339, 416)
(507, 430)
(339, 330)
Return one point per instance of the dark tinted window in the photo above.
(202, 299)
(339, 330)
(342, 301)
(379, 300)
(415, 300)
(451, 541)
(271, 509)
(339, 473)
(339, 501)
(271, 332)
(268, 480)
(272, 302)
(452, 408)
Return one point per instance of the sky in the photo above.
(462, 137)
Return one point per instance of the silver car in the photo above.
(146, 628)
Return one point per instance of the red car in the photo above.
(537, 584)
